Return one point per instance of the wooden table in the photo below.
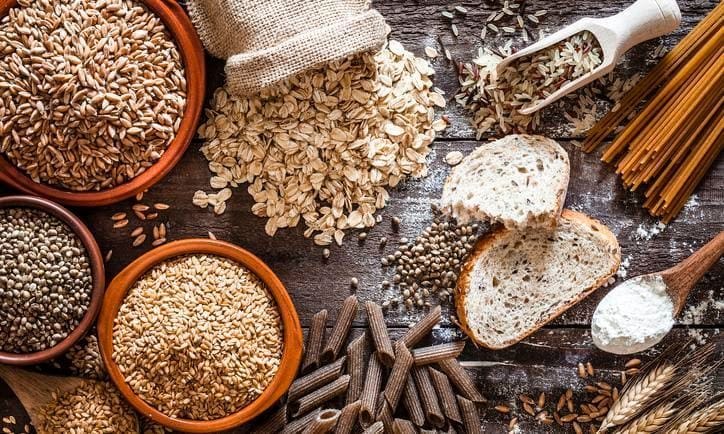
(544, 362)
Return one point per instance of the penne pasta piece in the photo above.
(403, 426)
(356, 367)
(428, 396)
(319, 396)
(313, 349)
(381, 338)
(316, 379)
(461, 379)
(275, 421)
(372, 384)
(436, 353)
(375, 428)
(348, 418)
(324, 423)
(445, 394)
(338, 335)
(385, 416)
(422, 328)
(471, 418)
(297, 426)
(398, 376)
(411, 401)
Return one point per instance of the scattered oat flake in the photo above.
(431, 52)
(454, 158)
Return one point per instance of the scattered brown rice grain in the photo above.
(462, 9)
(577, 428)
(581, 370)
(140, 207)
(118, 216)
(569, 417)
(454, 29)
(139, 240)
(584, 418)
(109, 255)
(152, 216)
(140, 215)
(513, 422)
(158, 242)
(139, 196)
(120, 224)
(603, 385)
(161, 206)
(502, 408)
(633, 363)
(136, 232)
(162, 230)
(541, 400)
(527, 399)
(589, 369)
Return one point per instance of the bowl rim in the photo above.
(291, 329)
(97, 274)
(192, 54)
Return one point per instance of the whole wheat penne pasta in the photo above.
(313, 349)
(398, 376)
(428, 396)
(319, 396)
(356, 367)
(348, 418)
(436, 353)
(378, 329)
(338, 335)
(375, 428)
(385, 416)
(324, 423)
(373, 382)
(297, 426)
(403, 426)
(316, 379)
(275, 421)
(411, 400)
(445, 394)
(461, 379)
(422, 328)
(471, 418)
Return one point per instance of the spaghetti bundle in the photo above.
(672, 142)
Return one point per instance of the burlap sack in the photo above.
(266, 41)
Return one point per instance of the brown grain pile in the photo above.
(95, 407)
(91, 91)
(198, 337)
(324, 146)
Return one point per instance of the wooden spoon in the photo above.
(643, 20)
(682, 278)
(35, 391)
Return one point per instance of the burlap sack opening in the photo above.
(267, 41)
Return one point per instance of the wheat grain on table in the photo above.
(545, 362)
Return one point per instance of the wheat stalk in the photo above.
(702, 421)
(636, 397)
(651, 421)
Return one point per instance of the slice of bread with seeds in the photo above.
(515, 281)
(519, 181)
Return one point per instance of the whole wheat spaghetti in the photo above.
(669, 146)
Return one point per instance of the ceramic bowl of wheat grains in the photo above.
(199, 335)
(99, 99)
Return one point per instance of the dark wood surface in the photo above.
(547, 360)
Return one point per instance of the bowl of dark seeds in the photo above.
(52, 280)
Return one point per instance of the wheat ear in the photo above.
(651, 421)
(636, 397)
(702, 421)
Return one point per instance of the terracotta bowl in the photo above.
(192, 54)
(97, 274)
(292, 331)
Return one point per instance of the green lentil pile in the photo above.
(45, 280)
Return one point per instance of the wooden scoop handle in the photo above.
(681, 279)
(643, 20)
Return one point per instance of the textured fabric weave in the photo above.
(266, 41)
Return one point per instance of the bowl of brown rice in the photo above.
(99, 98)
(199, 335)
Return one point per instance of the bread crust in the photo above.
(544, 220)
(482, 246)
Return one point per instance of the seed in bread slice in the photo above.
(515, 281)
(519, 181)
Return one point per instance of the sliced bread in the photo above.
(519, 181)
(515, 281)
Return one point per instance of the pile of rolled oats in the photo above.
(323, 146)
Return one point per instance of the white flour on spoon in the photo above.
(634, 316)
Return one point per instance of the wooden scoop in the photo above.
(682, 278)
(643, 20)
(35, 391)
